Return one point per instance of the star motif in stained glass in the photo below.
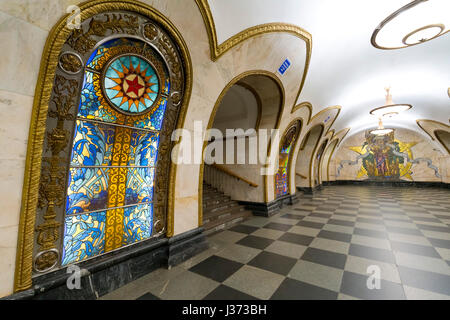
(131, 84)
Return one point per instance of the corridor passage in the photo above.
(331, 245)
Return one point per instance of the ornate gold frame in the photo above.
(49, 61)
(298, 119)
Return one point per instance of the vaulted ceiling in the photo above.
(345, 68)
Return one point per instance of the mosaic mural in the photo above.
(385, 158)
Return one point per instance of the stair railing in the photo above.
(301, 176)
(218, 176)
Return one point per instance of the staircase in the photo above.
(219, 211)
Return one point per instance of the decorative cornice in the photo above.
(217, 50)
(432, 131)
(304, 104)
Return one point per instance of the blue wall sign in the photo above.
(282, 69)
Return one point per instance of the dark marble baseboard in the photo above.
(309, 190)
(418, 184)
(109, 272)
(270, 208)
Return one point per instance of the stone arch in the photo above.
(54, 111)
(271, 111)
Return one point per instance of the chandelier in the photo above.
(390, 109)
(416, 22)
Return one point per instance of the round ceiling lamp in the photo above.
(390, 109)
(417, 22)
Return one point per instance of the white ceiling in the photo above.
(345, 68)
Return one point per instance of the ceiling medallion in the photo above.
(390, 109)
(417, 22)
(131, 84)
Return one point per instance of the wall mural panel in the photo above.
(383, 157)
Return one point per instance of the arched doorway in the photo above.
(252, 101)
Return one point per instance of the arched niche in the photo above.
(268, 92)
(287, 144)
(318, 160)
(444, 138)
(118, 84)
(308, 146)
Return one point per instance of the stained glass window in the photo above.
(109, 200)
(282, 175)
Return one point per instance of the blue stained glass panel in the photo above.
(84, 237)
(138, 223)
(88, 190)
(140, 183)
(154, 119)
(143, 148)
(91, 106)
(93, 144)
(281, 180)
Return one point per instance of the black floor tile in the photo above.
(368, 220)
(341, 222)
(311, 224)
(440, 243)
(327, 258)
(371, 253)
(242, 228)
(273, 262)
(345, 214)
(430, 281)
(216, 268)
(320, 215)
(441, 216)
(433, 228)
(292, 216)
(296, 238)
(332, 235)
(425, 219)
(355, 285)
(371, 233)
(415, 249)
(224, 292)
(291, 289)
(413, 232)
(278, 226)
(255, 242)
(148, 296)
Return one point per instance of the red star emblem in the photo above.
(134, 86)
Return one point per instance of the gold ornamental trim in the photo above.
(295, 122)
(431, 132)
(58, 35)
(217, 50)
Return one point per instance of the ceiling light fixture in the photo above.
(417, 22)
(390, 109)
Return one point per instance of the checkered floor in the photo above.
(321, 248)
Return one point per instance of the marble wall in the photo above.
(24, 27)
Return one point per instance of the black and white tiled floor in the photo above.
(321, 248)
